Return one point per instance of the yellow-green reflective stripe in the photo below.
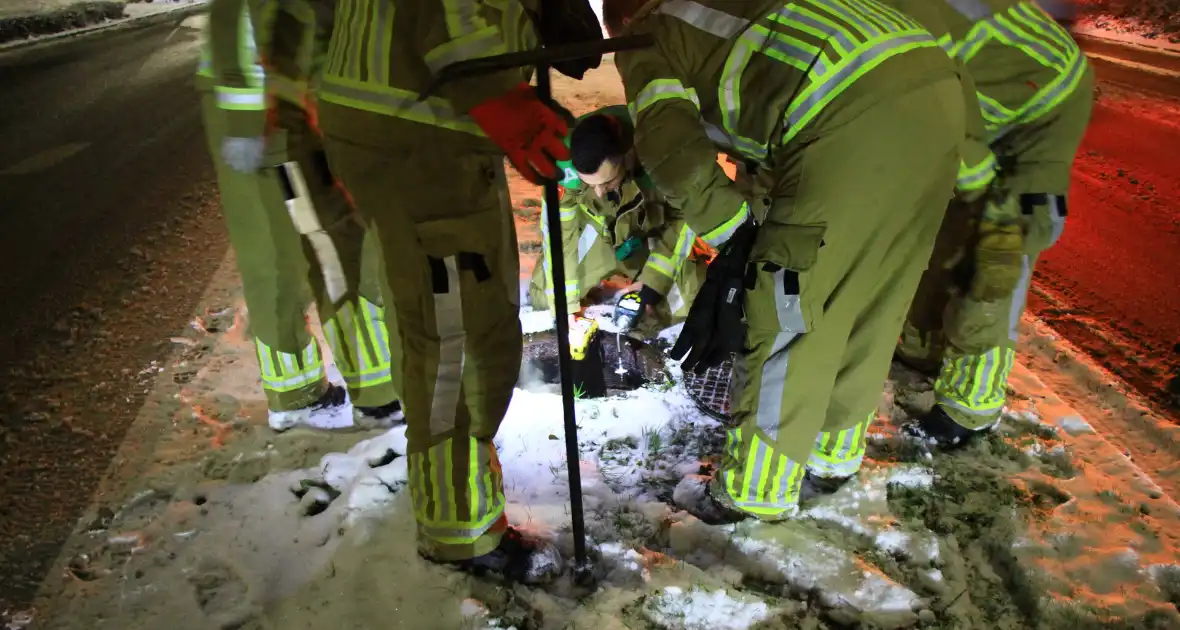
(662, 264)
(818, 94)
(723, 232)
(659, 90)
(437, 513)
(975, 384)
(485, 43)
(977, 176)
(394, 102)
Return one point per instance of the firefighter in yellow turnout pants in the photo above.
(856, 116)
(289, 224)
(615, 222)
(1035, 91)
(428, 175)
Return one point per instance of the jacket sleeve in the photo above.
(674, 149)
(239, 81)
(479, 28)
(977, 165)
(669, 253)
(572, 224)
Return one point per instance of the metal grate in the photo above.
(710, 390)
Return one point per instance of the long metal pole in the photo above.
(557, 264)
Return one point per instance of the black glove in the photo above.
(716, 325)
(630, 307)
(570, 22)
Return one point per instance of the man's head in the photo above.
(617, 14)
(600, 149)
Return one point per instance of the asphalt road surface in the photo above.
(109, 231)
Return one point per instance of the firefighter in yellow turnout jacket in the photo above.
(1035, 91)
(614, 222)
(289, 224)
(856, 116)
(428, 174)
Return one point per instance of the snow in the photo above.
(1074, 425)
(1125, 31)
(697, 609)
(911, 477)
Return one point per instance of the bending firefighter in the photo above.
(614, 222)
(1035, 90)
(853, 117)
(289, 224)
(428, 175)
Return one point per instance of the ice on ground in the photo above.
(861, 507)
(911, 477)
(1075, 425)
(697, 609)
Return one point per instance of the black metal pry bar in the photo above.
(542, 59)
(539, 57)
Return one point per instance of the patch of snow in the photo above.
(696, 609)
(671, 334)
(1074, 425)
(365, 478)
(911, 477)
(536, 321)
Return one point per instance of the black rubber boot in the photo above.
(378, 417)
(334, 396)
(815, 486)
(693, 495)
(518, 558)
(947, 434)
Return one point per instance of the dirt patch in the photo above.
(68, 18)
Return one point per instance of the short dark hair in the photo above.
(596, 139)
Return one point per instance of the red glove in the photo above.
(531, 133)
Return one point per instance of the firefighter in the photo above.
(857, 117)
(614, 222)
(1035, 91)
(428, 175)
(275, 185)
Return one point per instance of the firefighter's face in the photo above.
(609, 177)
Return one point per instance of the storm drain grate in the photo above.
(710, 390)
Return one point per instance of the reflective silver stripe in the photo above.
(974, 10)
(789, 308)
(231, 98)
(1056, 217)
(675, 299)
(1019, 297)
(586, 241)
(307, 222)
(772, 383)
(448, 319)
(709, 20)
(719, 136)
